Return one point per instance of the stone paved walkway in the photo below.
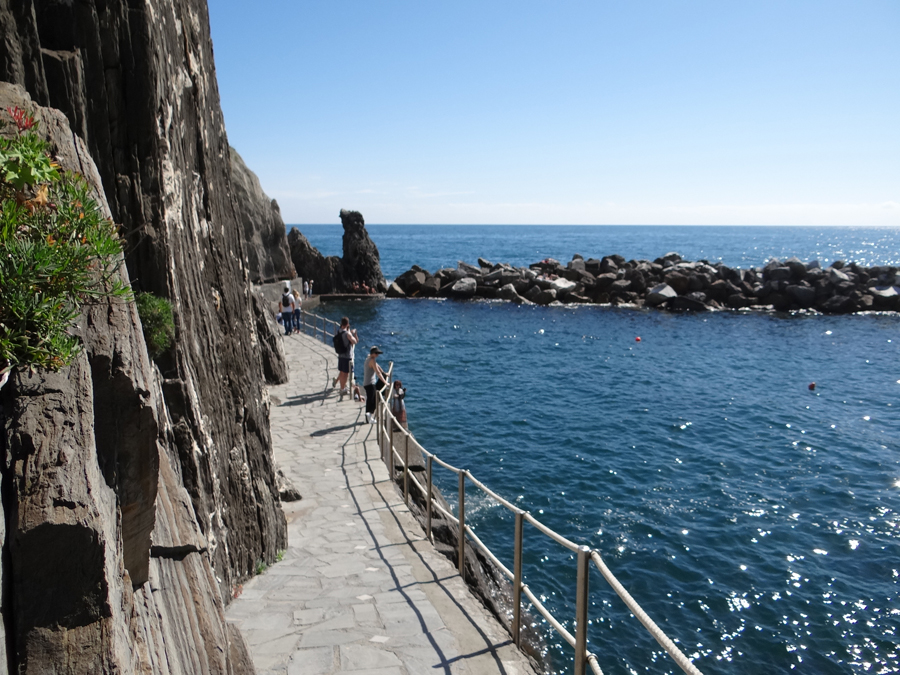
(360, 590)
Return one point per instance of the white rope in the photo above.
(654, 630)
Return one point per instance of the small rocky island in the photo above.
(669, 283)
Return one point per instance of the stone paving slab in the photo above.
(359, 591)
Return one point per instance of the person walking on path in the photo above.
(349, 338)
(287, 308)
(306, 288)
(373, 379)
(298, 309)
(309, 295)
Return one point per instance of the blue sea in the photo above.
(756, 521)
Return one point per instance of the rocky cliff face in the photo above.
(360, 263)
(268, 256)
(91, 450)
(105, 559)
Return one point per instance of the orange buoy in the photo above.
(637, 339)
(812, 386)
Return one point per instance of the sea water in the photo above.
(755, 520)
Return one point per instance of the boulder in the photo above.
(485, 264)
(545, 297)
(562, 286)
(797, 268)
(778, 273)
(532, 293)
(738, 301)
(286, 489)
(508, 292)
(836, 276)
(802, 295)
(592, 265)
(620, 286)
(885, 297)
(837, 304)
(468, 270)
(395, 291)
(685, 304)
(699, 296)
(463, 288)
(604, 281)
(670, 258)
(660, 294)
(678, 281)
(430, 287)
(608, 266)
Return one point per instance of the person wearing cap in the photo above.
(287, 307)
(373, 379)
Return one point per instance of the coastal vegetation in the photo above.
(157, 321)
(57, 251)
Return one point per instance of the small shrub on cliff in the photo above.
(57, 251)
(157, 321)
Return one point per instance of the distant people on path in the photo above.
(398, 406)
(309, 294)
(373, 380)
(306, 288)
(287, 308)
(298, 308)
(345, 358)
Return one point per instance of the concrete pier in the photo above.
(359, 590)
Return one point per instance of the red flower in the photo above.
(24, 121)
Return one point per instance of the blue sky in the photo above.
(667, 112)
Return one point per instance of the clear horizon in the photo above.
(701, 113)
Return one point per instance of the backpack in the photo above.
(286, 300)
(338, 342)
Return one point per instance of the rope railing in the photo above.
(387, 426)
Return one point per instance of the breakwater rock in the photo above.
(669, 282)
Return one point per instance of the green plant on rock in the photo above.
(261, 566)
(157, 321)
(57, 252)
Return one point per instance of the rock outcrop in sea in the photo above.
(137, 495)
(360, 263)
(665, 283)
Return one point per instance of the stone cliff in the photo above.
(268, 255)
(138, 496)
(360, 264)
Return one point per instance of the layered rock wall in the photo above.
(152, 489)
(104, 556)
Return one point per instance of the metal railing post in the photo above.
(462, 524)
(428, 508)
(581, 610)
(406, 472)
(517, 579)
